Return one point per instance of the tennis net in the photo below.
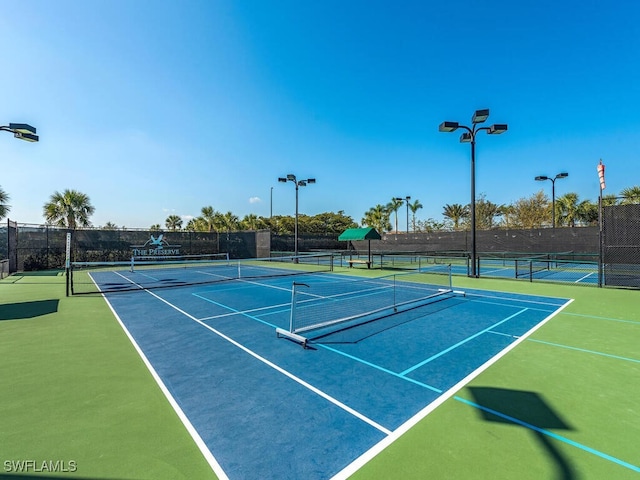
(145, 273)
(324, 307)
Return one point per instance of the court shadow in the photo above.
(24, 310)
(516, 407)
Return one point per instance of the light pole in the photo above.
(480, 116)
(21, 131)
(271, 205)
(405, 199)
(542, 178)
(298, 183)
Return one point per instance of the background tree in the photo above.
(4, 208)
(69, 209)
(414, 207)
(173, 223)
(251, 222)
(210, 219)
(109, 226)
(631, 195)
(486, 213)
(568, 210)
(229, 222)
(378, 218)
(609, 200)
(455, 213)
(530, 212)
(393, 206)
(507, 212)
(155, 227)
(430, 225)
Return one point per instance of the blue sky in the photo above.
(160, 107)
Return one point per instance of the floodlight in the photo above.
(497, 129)
(22, 128)
(26, 137)
(480, 116)
(542, 177)
(465, 137)
(311, 180)
(562, 175)
(448, 126)
(283, 180)
(291, 177)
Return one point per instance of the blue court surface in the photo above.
(260, 406)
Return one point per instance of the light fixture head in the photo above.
(497, 129)
(22, 128)
(283, 180)
(311, 180)
(27, 137)
(542, 177)
(302, 183)
(562, 175)
(448, 126)
(480, 116)
(291, 177)
(465, 137)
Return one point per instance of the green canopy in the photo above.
(352, 234)
(359, 234)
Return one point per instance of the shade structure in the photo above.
(359, 234)
(352, 234)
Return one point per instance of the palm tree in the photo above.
(4, 208)
(209, 216)
(631, 195)
(455, 213)
(609, 200)
(414, 207)
(568, 209)
(229, 222)
(250, 222)
(68, 209)
(393, 206)
(155, 227)
(173, 223)
(110, 226)
(378, 218)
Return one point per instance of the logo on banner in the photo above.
(155, 246)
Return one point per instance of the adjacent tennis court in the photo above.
(261, 405)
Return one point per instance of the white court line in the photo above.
(279, 369)
(359, 462)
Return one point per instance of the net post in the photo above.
(67, 262)
(293, 306)
(132, 263)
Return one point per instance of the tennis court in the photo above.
(532, 268)
(259, 405)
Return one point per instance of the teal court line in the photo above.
(452, 347)
(551, 434)
(584, 350)
(601, 318)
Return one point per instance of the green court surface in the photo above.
(77, 398)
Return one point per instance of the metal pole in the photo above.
(407, 200)
(271, 205)
(296, 225)
(553, 203)
(473, 205)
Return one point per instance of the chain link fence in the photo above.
(620, 245)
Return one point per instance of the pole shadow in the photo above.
(24, 310)
(504, 406)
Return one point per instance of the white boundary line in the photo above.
(402, 429)
(213, 463)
